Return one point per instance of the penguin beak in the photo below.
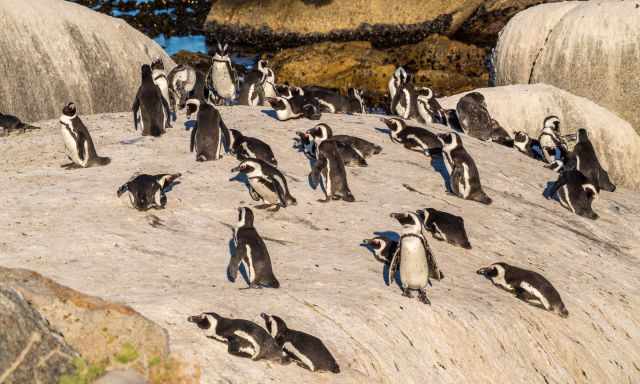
(264, 316)
(271, 100)
(236, 169)
(194, 319)
(365, 243)
(483, 271)
(396, 215)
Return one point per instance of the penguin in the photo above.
(252, 89)
(465, 178)
(587, 163)
(10, 123)
(150, 109)
(148, 191)
(445, 226)
(251, 251)
(405, 101)
(244, 338)
(398, 77)
(296, 107)
(182, 80)
(77, 141)
(160, 79)
(576, 193)
(269, 85)
(417, 262)
(221, 78)
(429, 109)
(451, 120)
(474, 117)
(527, 285)
(245, 147)
(210, 136)
(382, 248)
(329, 167)
(554, 149)
(413, 138)
(197, 94)
(266, 183)
(306, 350)
(527, 145)
(353, 150)
(333, 102)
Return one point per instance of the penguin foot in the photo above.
(70, 166)
(324, 201)
(422, 296)
(263, 206)
(406, 292)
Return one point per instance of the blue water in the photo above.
(174, 44)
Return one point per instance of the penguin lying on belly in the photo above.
(245, 147)
(353, 150)
(295, 107)
(10, 123)
(445, 227)
(576, 193)
(527, 285)
(413, 138)
(148, 191)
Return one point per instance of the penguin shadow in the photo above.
(270, 112)
(169, 187)
(131, 141)
(547, 192)
(385, 131)
(438, 165)
(243, 271)
(189, 124)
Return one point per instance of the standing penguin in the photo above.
(383, 248)
(465, 178)
(399, 77)
(270, 84)
(10, 123)
(554, 149)
(445, 227)
(221, 77)
(405, 101)
(160, 79)
(210, 136)
(576, 193)
(148, 191)
(429, 108)
(77, 141)
(329, 166)
(413, 138)
(306, 350)
(252, 88)
(587, 163)
(417, 262)
(251, 251)
(245, 147)
(266, 183)
(527, 285)
(182, 80)
(244, 338)
(150, 109)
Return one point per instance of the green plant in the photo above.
(127, 354)
(85, 372)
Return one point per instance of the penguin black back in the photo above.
(587, 162)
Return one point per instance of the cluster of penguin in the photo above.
(160, 96)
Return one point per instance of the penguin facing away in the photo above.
(588, 164)
(10, 123)
(528, 286)
(474, 117)
(150, 109)
(148, 191)
(210, 136)
(413, 138)
(576, 193)
(383, 248)
(77, 141)
(266, 183)
(251, 251)
(244, 338)
(445, 226)
(306, 350)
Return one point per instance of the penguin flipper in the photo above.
(393, 266)
(254, 195)
(562, 180)
(234, 263)
(282, 193)
(226, 138)
(192, 142)
(82, 140)
(432, 263)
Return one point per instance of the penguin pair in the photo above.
(198, 93)
(328, 167)
(528, 286)
(295, 107)
(148, 191)
(150, 109)
(160, 79)
(413, 138)
(221, 79)
(266, 183)
(10, 124)
(331, 101)
(210, 136)
(404, 97)
(245, 147)
(476, 121)
(464, 175)
(77, 141)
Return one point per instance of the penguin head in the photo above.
(520, 137)
(157, 64)
(425, 94)
(450, 140)
(262, 65)
(235, 137)
(222, 51)
(206, 321)
(320, 132)
(400, 76)
(245, 217)
(476, 97)
(394, 124)
(583, 137)
(249, 168)
(552, 124)
(495, 270)
(409, 221)
(193, 105)
(284, 91)
(377, 244)
(69, 109)
(275, 325)
(146, 72)
(582, 205)
(357, 95)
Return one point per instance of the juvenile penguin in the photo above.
(244, 338)
(413, 138)
(148, 191)
(587, 163)
(465, 178)
(476, 121)
(160, 79)
(429, 108)
(221, 78)
(383, 248)
(77, 141)
(252, 88)
(251, 251)
(182, 80)
(527, 285)
(445, 226)
(10, 123)
(306, 350)
(150, 109)
(210, 136)
(266, 183)
(329, 167)
(417, 262)
(554, 149)
(527, 145)
(576, 193)
(296, 107)
(245, 147)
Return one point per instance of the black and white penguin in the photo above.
(405, 101)
(329, 166)
(527, 285)
(476, 121)
(306, 350)
(150, 109)
(353, 150)
(252, 89)
(222, 78)
(148, 191)
(399, 77)
(77, 141)
(451, 120)
(199, 93)
(413, 138)
(383, 248)
(527, 145)
(445, 226)
(296, 107)
(576, 193)
(10, 123)
(331, 101)
(266, 183)
(160, 79)
(270, 84)
(587, 163)
(251, 251)
(245, 147)
(182, 80)
(416, 261)
(244, 338)
(554, 149)
(429, 108)
(210, 136)
(465, 178)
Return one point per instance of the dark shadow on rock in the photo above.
(547, 190)
(270, 113)
(438, 165)
(391, 235)
(131, 141)
(189, 124)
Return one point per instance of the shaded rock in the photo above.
(96, 328)
(588, 48)
(30, 350)
(524, 107)
(84, 56)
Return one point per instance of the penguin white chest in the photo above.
(71, 146)
(413, 264)
(267, 194)
(222, 80)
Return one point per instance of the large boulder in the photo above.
(54, 51)
(588, 48)
(524, 107)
